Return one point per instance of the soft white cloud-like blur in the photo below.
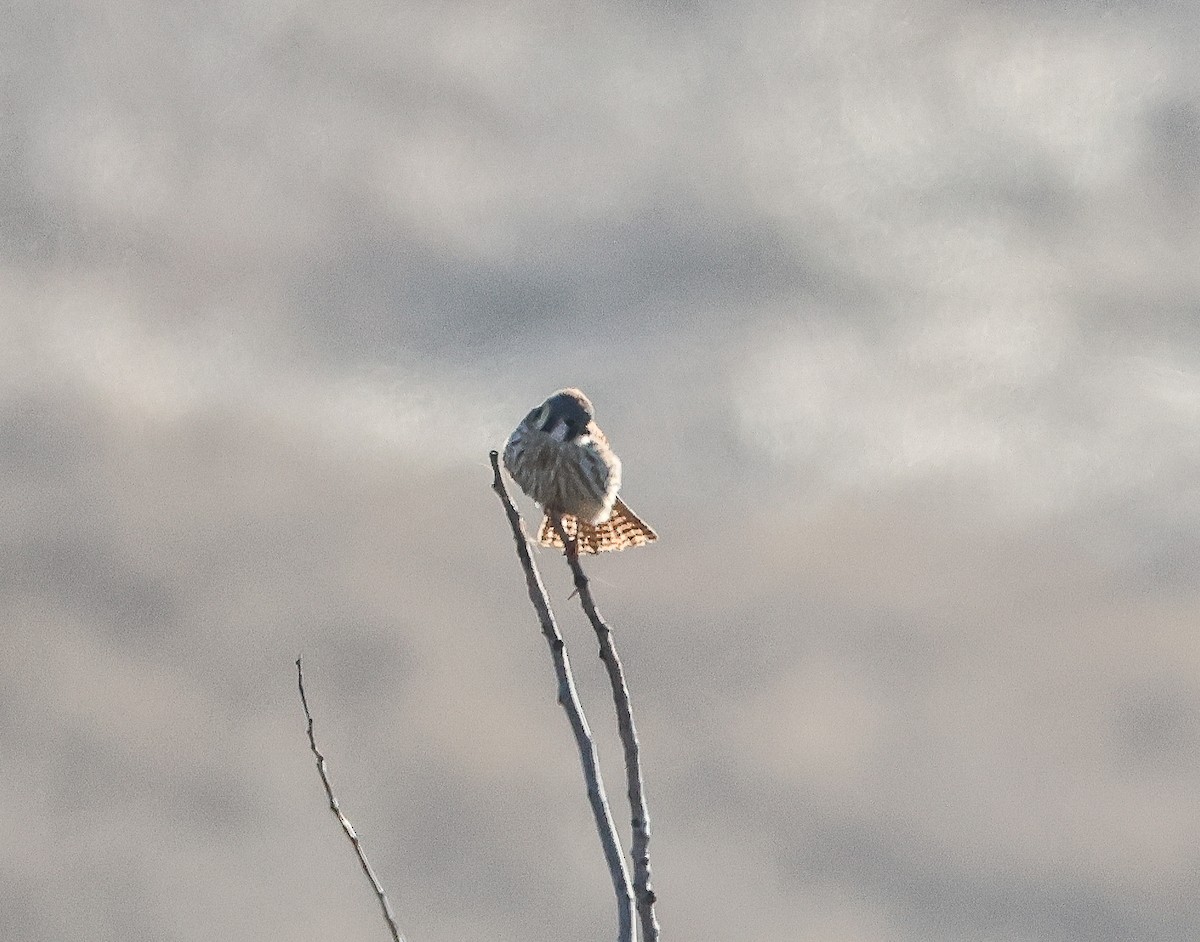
(892, 313)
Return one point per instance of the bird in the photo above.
(560, 458)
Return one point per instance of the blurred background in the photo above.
(892, 311)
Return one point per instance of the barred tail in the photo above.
(622, 529)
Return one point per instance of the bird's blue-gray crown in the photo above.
(564, 416)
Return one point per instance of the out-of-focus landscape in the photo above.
(892, 311)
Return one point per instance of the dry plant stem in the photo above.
(323, 770)
(640, 845)
(569, 699)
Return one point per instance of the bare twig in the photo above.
(640, 846)
(569, 699)
(322, 769)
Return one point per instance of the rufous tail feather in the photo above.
(622, 529)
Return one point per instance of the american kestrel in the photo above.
(561, 459)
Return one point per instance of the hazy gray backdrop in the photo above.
(891, 309)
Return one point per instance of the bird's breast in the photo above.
(577, 477)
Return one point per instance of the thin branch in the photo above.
(640, 816)
(569, 699)
(322, 769)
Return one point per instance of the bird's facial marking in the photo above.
(569, 428)
(560, 431)
(561, 417)
(564, 417)
(537, 418)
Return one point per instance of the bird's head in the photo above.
(564, 416)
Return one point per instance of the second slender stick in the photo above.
(640, 816)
